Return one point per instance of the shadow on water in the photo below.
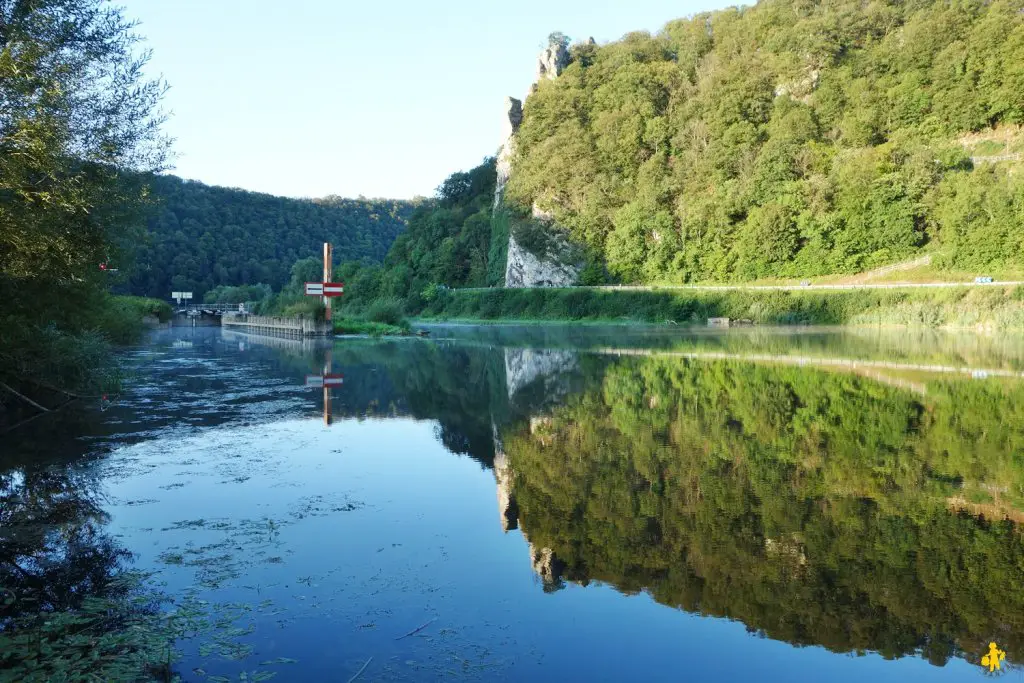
(854, 491)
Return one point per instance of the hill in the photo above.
(200, 236)
(786, 139)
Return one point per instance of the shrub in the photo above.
(388, 310)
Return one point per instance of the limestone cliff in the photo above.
(513, 117)
(551, 261)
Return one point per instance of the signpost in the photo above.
(179, 296)
(326, 289)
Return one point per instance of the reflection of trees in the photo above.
(815, 507)
(53, 552)
(68, 607)
(460, 387)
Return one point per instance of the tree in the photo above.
(75, 110)
(78, 121)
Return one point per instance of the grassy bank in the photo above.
(369, 327)
(962, 307)
(44, 362)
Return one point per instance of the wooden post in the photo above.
(328, 259)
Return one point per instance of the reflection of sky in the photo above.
(424, 542)
(374, 529)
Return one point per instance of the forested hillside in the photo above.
(202, 236)
(791, 138)
(450, 240)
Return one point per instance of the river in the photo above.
(547, 503)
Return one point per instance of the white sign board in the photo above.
(314, 288)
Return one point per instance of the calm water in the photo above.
(553, 504)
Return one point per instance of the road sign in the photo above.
(324, 289)
(317, 381)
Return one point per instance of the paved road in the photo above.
(794, 288)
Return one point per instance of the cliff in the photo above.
(551, 261)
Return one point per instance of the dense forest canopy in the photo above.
(201, 237)
(790, 138)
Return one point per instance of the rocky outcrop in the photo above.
(510, 126)
(526, 266)
(553, 60)
(523, 268)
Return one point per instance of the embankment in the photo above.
(995, 308)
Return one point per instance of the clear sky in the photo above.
(382, 98)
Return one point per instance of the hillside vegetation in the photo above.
(792, 138)
(200, 236)
(451, 240)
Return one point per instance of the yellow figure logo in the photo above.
(992, 659)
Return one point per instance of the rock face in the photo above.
(523, 268)
(510, 126)
(552, 61)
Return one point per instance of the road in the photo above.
(781, 288)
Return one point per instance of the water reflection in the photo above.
(851, 501)
(818, 508)
(858, 491)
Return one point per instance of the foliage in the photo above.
(450, 240)
(122, 319)
(201, 237)
(368, 327)
(78, 120)
(784, 139)
(241, 294)
(390, 311)
(953, 307)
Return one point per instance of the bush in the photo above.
(388, 310)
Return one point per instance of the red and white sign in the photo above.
(324, 289)
(317, 381)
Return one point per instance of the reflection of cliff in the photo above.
(524, 367)
(812, 506)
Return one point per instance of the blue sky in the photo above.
(382, 98)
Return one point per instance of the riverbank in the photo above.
(995, 308)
